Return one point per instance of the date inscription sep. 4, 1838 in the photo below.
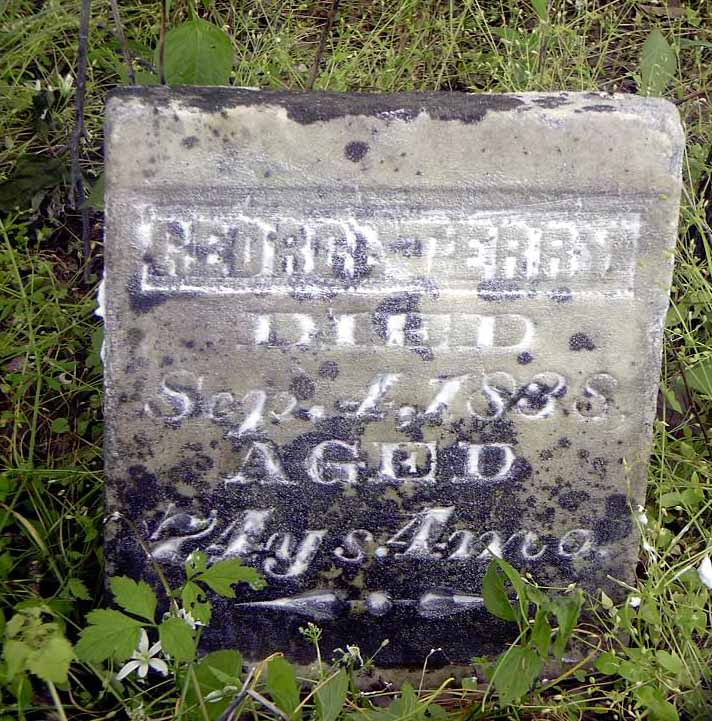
(369, 343)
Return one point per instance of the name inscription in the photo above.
(283, 555)
(220, 252)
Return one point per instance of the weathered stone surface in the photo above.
(366, 342)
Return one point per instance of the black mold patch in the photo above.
(580, 341)
(356, 150)
(599, 108)
(190, 142)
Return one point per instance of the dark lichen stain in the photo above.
(580, 341)
(307, 107)
(187, 343)
(329, 369)
(140, 301)
(571, 500)
(408, 247)
(302, 387)
(356, 150)
(499, 290)
(617, 523)
(134, 336)
(583, 454)
(524, 358)
(190, 142)
(561, 295)
(600, 108)
(564, 442)
(552, 101)
(166, 360)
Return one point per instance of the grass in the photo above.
(50, 403)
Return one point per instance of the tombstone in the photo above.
(369, 343)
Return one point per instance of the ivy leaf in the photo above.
(282, 685)
(198, 53)
(177, 639)
(657, 64)
(495, 594)
(111, 634)
(135, 597)
(516, 672)
(331, 696)
(223, 574)
(51, 662)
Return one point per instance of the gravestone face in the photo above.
(367, 343)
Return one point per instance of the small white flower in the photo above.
(647, 547)
(634, 601)
(642, 516)
(188, 618)
(143, 659)
(704, 571)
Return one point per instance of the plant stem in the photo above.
(57, 702)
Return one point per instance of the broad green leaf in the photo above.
(282, 685)
(495, 594)
(95, 199)
(197, 562)
(699, 377)
(78, 589)
(223, 574)
(15, 655)
(177, 639)
(111, 634)
(659, 708)
(60, 425)
(670, 662)
(331, 696)
(567, 610)
(195, 602)
(541, 632)
(657, 64)
(51, 661)
(198, 53)
(515, 673)
(135, 597)
(214, 672)
(607, 663)
(541, 7)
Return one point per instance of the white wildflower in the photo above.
(642, 516)
(188, 618)
(144, 658)
(704, 571)
(634, 601)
